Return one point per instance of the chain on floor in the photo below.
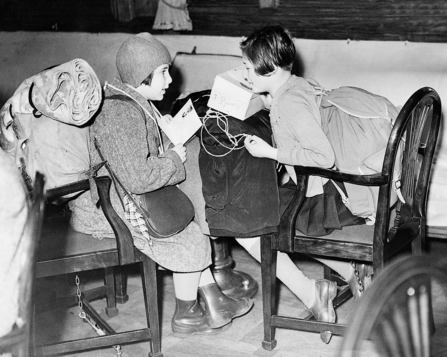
(87, 319)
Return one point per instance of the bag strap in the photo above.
(115, 179)
(117, 182)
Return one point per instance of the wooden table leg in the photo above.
(233, 283)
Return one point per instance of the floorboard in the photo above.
(242, 339)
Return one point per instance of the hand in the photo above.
(181, 151)
(259, 148)
(167, 118)
(267, 99)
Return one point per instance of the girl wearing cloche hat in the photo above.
(128, 136)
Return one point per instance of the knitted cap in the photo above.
(139, 56)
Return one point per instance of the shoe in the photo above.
(221, 309)
(190, 319)
(323, 308)
(360, 280)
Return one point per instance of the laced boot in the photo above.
(221, 309)
(190, 318)
(323, 307)
(360, 280)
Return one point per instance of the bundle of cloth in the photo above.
(44, 125)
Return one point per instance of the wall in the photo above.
(383, 20)
(396, 20)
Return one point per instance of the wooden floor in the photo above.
(243, 338)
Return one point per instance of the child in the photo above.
(295, 114)
(132, 145)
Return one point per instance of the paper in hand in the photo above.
(183, 126)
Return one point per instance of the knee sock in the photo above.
(286, 271)
(186, 285)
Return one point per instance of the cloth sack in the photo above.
(358, 125)
(42, 126)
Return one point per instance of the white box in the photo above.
(232, 95)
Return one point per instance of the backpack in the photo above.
(43, 125)
(358, 125)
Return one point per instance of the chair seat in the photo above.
(358, 239)
(360, 233)
(63, 243)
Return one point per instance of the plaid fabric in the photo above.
(134, 217)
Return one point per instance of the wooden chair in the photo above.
(395, 312)
(397, 229)
(65, 251)
(17, 340)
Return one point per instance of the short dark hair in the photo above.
(269, 47)
(148, 79)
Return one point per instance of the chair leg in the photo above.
(343, 291)
(150, 290)
(32, 335)
(121, 285)
(109, 279)
(327, 272)
(417, 246)
(268, 272)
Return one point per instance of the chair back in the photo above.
(33, 232)
(407, 165)
(396, 310)
(19, 338)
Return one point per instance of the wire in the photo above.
(222, 123)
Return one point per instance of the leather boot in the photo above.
(190, 318)
(323, 307)
(221, 309)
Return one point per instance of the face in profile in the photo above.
(258, 83)
(161, 80)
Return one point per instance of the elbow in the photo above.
(328, 161)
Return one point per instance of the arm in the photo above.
(304, 142)
(131, 149)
